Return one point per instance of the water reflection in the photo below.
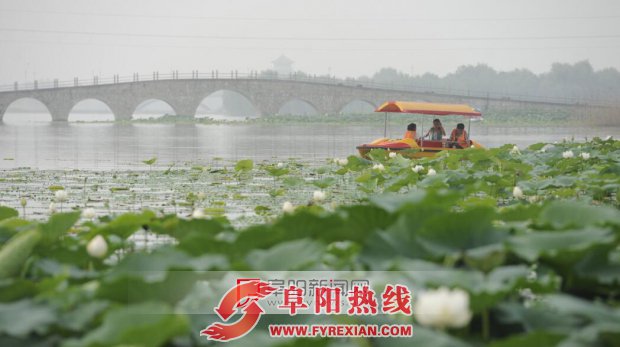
(49, 145)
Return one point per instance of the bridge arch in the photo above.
(358, 106)
(226, 103)
(87, 110)
(300, 107)
(153, 108)
(17, 110)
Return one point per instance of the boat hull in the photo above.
(412, 151)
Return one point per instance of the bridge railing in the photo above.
(302, 77)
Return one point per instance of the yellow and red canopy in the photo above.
(429, 108)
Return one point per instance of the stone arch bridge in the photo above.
(267, 95)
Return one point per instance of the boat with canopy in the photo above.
(418, 147)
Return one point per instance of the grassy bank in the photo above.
(494, 116)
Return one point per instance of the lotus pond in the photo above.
(531, 235)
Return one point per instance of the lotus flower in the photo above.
(52, 208)
(97, 247)
(318, 196)
(288, 207)
(343, 162)
(431, 172)
(89, 213)
(378, 167)
(443, 308)
(528, 296)
(417, 168)
(517, 192)
(198, 213)
(61, 196)
(568, 154)
(392, 155)
(515, 150)
(585, 155)
(280, 165)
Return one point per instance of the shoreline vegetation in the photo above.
(491, 118)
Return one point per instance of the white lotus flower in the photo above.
(340, 245)
(392, 154)
(585, 155)
(417, 168)
(532, 276)
(280, 165)
(443, 308)
(343, 162)
(533, 199)
(91, 286)
(546, 148)
(517, 192)
(288, 207)
(515, 150)
(97, 247)
(318, 196)
(61, 196)
(52, 208)
(89, 213)
(527, 294)
(198, 213)
(529, 298)
(378, 167)
(609, 137)
(431, 172)
(568, 154)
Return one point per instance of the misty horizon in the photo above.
(270, 69)
(63, 39)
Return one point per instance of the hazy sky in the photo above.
(48, 39)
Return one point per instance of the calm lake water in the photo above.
(108, 146)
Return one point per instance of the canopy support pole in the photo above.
(385, 126)
(422, 137)
(468, 128)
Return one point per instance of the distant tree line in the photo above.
(576, 81)
(564, 82)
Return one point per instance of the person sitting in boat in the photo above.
(458, 137)
(436, 132)
(411, 132)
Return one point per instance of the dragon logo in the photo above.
(244, 297)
